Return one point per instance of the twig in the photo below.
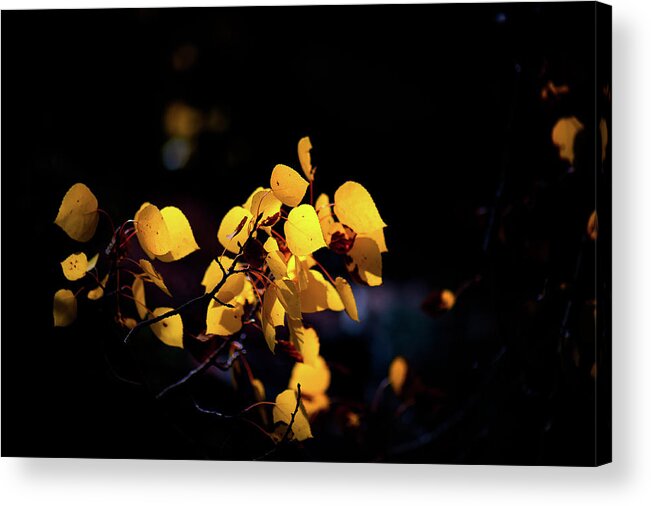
(289, 427)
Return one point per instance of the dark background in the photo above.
(432, 108)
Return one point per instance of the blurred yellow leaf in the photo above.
(222, 320)
(398, 374)
(152, 231)
(303, 231)
(305, 340)
(320, 294)
(78, 214)
(288, 185)
(563, 136)
(64, 308)
(98, 293)
(347, 297)
(314, 379)
(182, 241)
(170, 329)
(138, 290)
(75, 266)
(213, 275)
(183, 121)
(354, 207)
(236, 222)
(304, 147)
(316, 403)
(366, 257)
(153, 275)
(92, 262)
(285, 405)
(593, 226)
(258, 390)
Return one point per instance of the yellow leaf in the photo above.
(347, 297)
(75, 266)
(266, 204)
(138, 290)
(232, 287)
(319, 294)
(213, 274)
(285, 405)
(316, 403)
(270, 245)
(378, 237)
(272, 316)
(398, 374)
(354, 207)
(303, 231)
(152, 231)
(297, 271)
(305, 340)
(222, 320)
(563, 136)
(153, 275)
(324, 212)
(366, 257)
(182, 241)
(593, 226)
(249, 200)
(98, 293)
(289, 297)
(92, 262)
(136, 218)
(170, 329)
(288, 185)
(314, 379)
(64, 308)
(304, 147)
(78, 214)
(237, 222)
(277, 265)
(448, 299)
(128, 323)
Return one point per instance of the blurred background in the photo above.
(443, 112)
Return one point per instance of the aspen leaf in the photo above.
(319, 294)
(233, 229)
(136, 218)
(324, 212)
(563, 136)
(304, 147)
(153, 275)
(277, 264)
(287, 185)
(285, 405)
(75, 266)
(378, 237)
(232, 287)
(128, 322)
(222, 320)
(398, 374)
(289, 297)
(92, 262)
(593, 226)
(265, 203)
(305, 340)
(354, 207)
(98, 293)
(316, 403)
(182, 241)
(213, 275)
(448, 299)
(64, 308)
(152, 231)
(270, 245)
(170, 329)
(138, 290)
(314, 379)
(249, 200)
(297, 271)
(272, 316)
(347, 297)
(303, 231)
(78, 216)
(366, 257)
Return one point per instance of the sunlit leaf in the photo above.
(232, 287)
(128, 323)
(78, 216)
(138, 290)
(303, 231)
(305, 340)
(347, 297)
(236, 219)
(354, 207)
(152, 231)
(169, 330)
(214, 274)
(266, 204)
(136, 218)
(340, 238)
(288, 185)
(398, 374)
(316, 403)
(92, 262)
(563, 136)
(297, 271)
(75, 266)
(223, 320)
(98, 293)
(378, 237)
(249, 200)
(276, 262)
(304, 147)
(285, 405)
(270, 245)
(289, 297)
(182, 241)
(314, 379)
(272, 316)
(64, 308)
(324, 212)
(367, 260)
(320, 294)
(593, 226)
(153, 275)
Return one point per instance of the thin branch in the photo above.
(289, 427)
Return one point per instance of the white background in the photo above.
(627, 481)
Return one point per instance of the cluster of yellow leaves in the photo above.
(164, 234)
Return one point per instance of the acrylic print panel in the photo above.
(405, 210)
